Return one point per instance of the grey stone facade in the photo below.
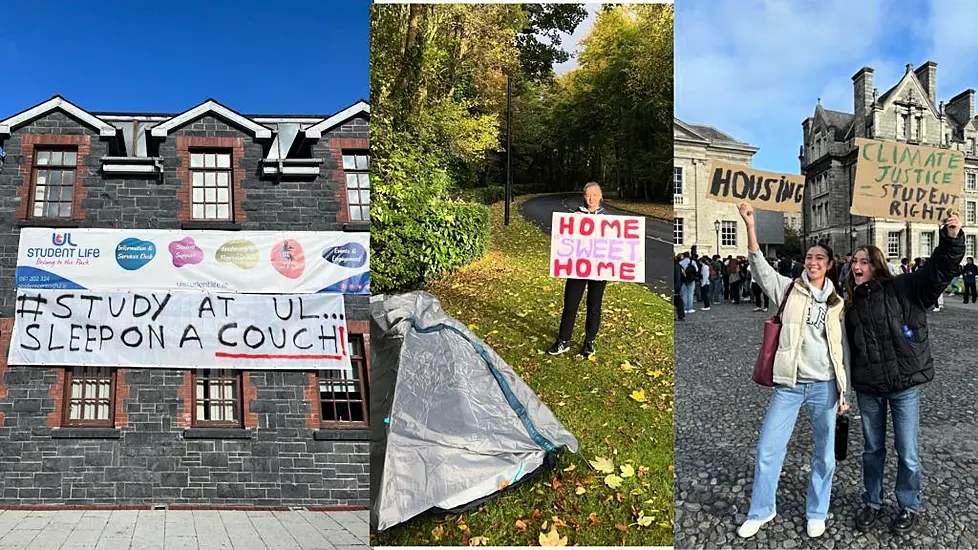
(283, 456)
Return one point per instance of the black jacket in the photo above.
(886, 323)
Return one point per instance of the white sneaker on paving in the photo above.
(752, 526)
(816, 527)
(705, 309)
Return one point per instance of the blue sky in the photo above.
(283, 57)
(755, 68)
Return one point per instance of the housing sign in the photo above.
(174, 329)
(600, 248)
(220, 261)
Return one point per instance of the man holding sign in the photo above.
(590, 249)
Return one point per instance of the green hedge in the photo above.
(493, 194)
(414, 249)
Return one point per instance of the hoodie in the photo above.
(814, 364)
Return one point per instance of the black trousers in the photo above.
(573, 292)
(969, 289)
(756, 288)
(735, 291)
(677, 301)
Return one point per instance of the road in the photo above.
(719, 411)
(658, 235)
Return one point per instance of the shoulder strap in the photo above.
(777, 316)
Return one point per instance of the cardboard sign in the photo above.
(179, 330)
(733, 183)
(907, 182)
(599, 248)
(218, 261)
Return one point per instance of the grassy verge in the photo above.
(618, 404)
(655, 210)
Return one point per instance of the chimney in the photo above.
(962, 107)
(927, 75)
(862, 88)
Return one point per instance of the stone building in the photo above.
(708, 225)
(88, 435)
(907, 112)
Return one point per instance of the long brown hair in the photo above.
(877, 262)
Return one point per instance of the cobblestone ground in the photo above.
(718, 415)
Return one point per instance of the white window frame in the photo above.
(970, 212)
(357, 185)
(678, 231)
(728, 233)
(926, 243)
(893, 241)
(971, 181)
(970, 245)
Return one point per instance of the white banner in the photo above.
(179, 330)
(598, 248)
(220, 261)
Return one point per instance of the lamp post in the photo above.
(716, 226)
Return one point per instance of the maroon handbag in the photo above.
(764, 367)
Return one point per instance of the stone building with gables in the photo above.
(908, 112)
(711, 226)
(90, 435)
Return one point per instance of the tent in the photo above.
(454, 425)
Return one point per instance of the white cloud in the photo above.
(570, 41)
(756, 68)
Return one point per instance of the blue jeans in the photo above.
(905, 408)
(821, 400)
(717, 286)
(688, 290)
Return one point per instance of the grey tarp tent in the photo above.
(452, 424)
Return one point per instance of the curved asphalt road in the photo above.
(658, 235)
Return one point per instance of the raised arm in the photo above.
(926, 284)
(771, 282)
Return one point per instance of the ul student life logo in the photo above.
(61, 240)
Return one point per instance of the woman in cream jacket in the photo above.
(809, 369)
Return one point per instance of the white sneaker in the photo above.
(937, 309)
(752, 526)
(705, 309)
(816, 527)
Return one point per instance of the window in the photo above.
(893, 243)
(920, 128)
(906, 126)
(211, 173)
(969, 213)
(926, 244)
(677, 231)
(971, 146)
(728, 233)
(969, 245)
(969, 181)
(217, 398)
(357, 186)
(89, 396)
(677, 181)
(343, 395)
(54, 183)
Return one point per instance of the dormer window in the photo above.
(54, 183)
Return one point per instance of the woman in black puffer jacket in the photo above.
(886, 324)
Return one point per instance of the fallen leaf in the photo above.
(437, 532)
(638, 395)
(521, 526)
(627, 367)
(644, 520)
(627, 470)
(544, 526)
(552, 539)
(593, 518)
(503, 484)
(580, 490)
(478, 541)
(603, 465)
(621, 527)
(557, 522)
(612, 481)
(569, 468)
(536, 514)
(555, 484)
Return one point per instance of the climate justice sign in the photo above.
(906, 182)
(179, 330)
(601, 248)
(734, 183)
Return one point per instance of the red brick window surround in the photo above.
(343, 397)
(217, 399)
(52, 171)
(210, 176)
(89, 397)
(338, 147)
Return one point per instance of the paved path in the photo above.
(719, 411)
(658, 235)
(171, 530)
